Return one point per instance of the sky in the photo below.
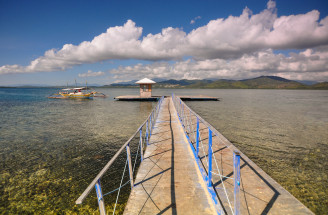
(46, 42)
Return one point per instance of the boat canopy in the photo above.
(77, 88)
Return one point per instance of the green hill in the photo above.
(263, 82)
(320, 86)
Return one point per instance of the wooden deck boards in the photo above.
(169, 181)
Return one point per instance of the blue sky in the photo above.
(200, 40)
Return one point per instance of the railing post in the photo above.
(150, 125)
(209, 157)
(180, 109)
(153, 118)
(100, 198)
(197, 138)
(236, 177)
(141, 144)
(128, 154)
(183, 116)
(147, 141)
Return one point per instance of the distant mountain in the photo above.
(181, 83)
(262, 82)
(126, 83)
(320, 86)
(158, 79)
(309, 83)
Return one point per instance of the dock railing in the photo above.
(143, 134)
(209, 147)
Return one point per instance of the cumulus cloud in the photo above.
(235, 38)
(194, 20)
(91, 74)
(308, 65)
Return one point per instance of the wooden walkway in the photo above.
(169, 181)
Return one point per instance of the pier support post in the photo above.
(209, 157)
(236, 178)
(141, 144)
(100, 198)
(128, 154)
(197, 138)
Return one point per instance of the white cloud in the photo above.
(91, 74)
(194, 20)
(240, 39)
(307, 65)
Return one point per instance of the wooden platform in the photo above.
(137, 98)
(169, 180)
(155, 98)
(198, 98)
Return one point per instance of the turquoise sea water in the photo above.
(50, 150)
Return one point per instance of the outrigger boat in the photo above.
(76, 93)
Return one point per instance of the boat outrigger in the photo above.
(76, 93)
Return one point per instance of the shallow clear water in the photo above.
(52, 149)
(57, 144)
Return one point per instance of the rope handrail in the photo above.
(92, 185)
(216, 132)
(187, 120)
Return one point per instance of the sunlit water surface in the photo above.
(52, 149)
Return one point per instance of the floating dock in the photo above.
(155, 98)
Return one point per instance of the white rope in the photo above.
(135, 160)
(118, 194)
(200, 138)
(116, 189)
(221, 175)
(225, 191)
(188, 124)
(192, 127)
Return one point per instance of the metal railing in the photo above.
(144, 133)
(208, 145)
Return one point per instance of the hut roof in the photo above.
(145, 81)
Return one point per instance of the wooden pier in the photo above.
(188, 167)
(169, 180)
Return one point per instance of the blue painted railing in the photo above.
(203, 138)
(144, 133)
